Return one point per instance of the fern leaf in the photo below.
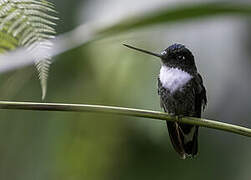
(38, 7)
(41, 20)
(5, 9)
(15, 24)
(29, 23)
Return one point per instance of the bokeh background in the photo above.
(73, 146)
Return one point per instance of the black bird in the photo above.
(182, 93)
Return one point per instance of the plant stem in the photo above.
(124, 111)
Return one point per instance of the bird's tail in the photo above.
(184, 138)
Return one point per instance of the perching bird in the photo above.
(182, 93)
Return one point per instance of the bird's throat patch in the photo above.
(173, 78)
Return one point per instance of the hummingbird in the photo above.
(182, 93)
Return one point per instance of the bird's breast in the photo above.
(173, 78)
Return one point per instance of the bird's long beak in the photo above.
(144, 51)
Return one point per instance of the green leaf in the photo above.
(88, 33)
(175, 14)
(27, 23)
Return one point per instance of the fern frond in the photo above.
(41, 20)
(7, 42)
(38, 7)
(43, 68)
(29, 23)
(5, 8)
(15, 24)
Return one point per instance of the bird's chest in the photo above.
(173, 79)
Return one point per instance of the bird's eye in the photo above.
(181, 57)
(163, 53)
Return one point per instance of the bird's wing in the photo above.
(200, 96)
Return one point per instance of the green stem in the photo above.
(124, 111)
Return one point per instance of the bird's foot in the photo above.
(179, 117)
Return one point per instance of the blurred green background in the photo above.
(73, 146)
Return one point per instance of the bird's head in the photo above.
(175, 56)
